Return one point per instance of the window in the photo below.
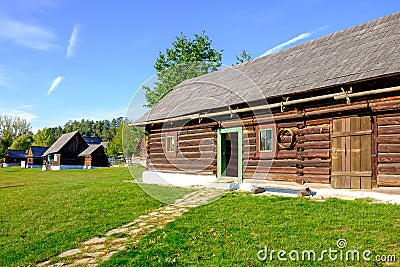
(265, 140)
(170, 144)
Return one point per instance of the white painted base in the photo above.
(63, 167)
(10, 164)
(33, 166)
(177, 179)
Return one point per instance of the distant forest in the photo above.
(16, 133)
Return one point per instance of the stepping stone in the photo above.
(117, 231)
(94, 254)
(44, 263)
(81, 261)
(119, 240)
(135, 231)
(70, 252)
(108, 256)
(95, 240)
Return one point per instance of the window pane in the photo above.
(265, 140)
(170, 144)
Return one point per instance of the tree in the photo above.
(10, 129)
(243, 57)
(187, 59)
(44, 137)
(22, 142)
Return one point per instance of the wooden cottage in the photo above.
(14, 157)
(64, 153)
(94, 156)
(34, 159)
(326, 111)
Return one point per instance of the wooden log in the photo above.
(388, 157)
(286, 154)
(315, 153)
(389, 148)
(186, 127)
(388, 180)
(389, 168)
(384, 121)
(385, 105)
(386, 130)
(314, 145)
(321, 179)
(313, 137)
(313, 130)
(389, 139)
(317, 171)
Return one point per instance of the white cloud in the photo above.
(73, 40)
(55, 83)
(28, 35)
(291, 41)
(17, 112)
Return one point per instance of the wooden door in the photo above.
(351, 153)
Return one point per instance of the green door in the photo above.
(229, 153)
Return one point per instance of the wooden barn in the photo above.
(34, 159)
(94, 156)
(64, 153)
(14, 157)
(326, 111)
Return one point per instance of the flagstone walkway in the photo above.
(99, 249)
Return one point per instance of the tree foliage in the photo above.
(186, 59)
(22, 142)
(126, 141)
(243, 57)
(10, 129)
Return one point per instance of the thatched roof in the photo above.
(358, 53)
(60, 143)
(88, 151)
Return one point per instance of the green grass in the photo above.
(231, 231)
(45, 213)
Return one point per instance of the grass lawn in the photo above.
(232, 231)
(45, 213)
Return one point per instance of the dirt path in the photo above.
(99, 249)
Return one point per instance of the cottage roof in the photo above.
(37, 151)
(60, 143)
(16, 154)
(358, 53)
(88, 151)
(92, 140)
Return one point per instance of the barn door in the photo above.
(351, 153)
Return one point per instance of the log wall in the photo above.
(196, 153)
(388, 141)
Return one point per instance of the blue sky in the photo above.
(72, 59)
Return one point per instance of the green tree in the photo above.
(44, 137)
(22, 142)
(187, 59)
(10, 129)
(243, 57)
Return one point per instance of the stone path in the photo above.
(99, 249)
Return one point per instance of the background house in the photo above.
(14, 157)
(64, 153)
(94, 156)
(34, 159)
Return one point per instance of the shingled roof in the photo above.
(37, 151)
(358, 53)
(15, 154)
(60, 143)
(88, 151)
